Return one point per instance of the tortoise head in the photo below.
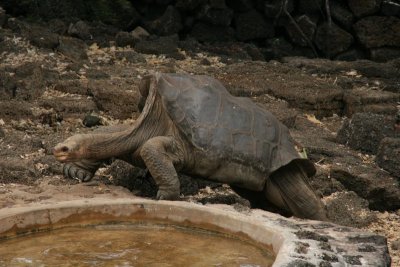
(71, 150)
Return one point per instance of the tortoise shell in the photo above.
(225, 127)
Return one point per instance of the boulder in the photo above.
(286, 83)
(112, 96)
(364, 131)
(123, 39)
(139, 34)
(3, 17)
(332, 40)
(310, 6)
(376, 31)
(240, 5)
(169, 23)
(277, 48)
(388, 155)
(251, 25)
(351, 55)
(342, 15)
(204, 32)
(158, 45)
(73, 48)
(390, 8)
(364, 99)
(306, 25)
(130, 56)
(217, 3)
(273, 8)
(347, 208)
(43, 38)
(188, 5)
(362, 8)
(380, 189)
(384, 54)
(216, 16)
(80, 30)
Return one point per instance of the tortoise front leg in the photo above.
(160, 154)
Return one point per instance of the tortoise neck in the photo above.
(151, 123)
(103, 146)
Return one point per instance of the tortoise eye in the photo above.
(64, 149)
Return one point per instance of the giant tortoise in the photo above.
(191, 124)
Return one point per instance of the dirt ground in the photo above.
(46, 96)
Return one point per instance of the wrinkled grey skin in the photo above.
(191, 124)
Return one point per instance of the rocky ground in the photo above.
(342, 114)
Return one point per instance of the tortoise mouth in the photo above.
(61, 153)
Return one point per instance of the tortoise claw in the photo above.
(163, 194)
(74, 172)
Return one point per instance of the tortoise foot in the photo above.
(72, 171)
(168, 194)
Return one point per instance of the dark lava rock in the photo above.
(348, 209)
(69, 106)
(71, 87)
(341, 14)
(396, 244)
(251, 25)
(310, 6)
(169, 23)
(216, 16)
(44, 39)
(130, 56)
(72, 48)
(158, 45)
(240, 5)
(2, 133)
(277, 48)
(362, 8)
(3, 17)
(365, 100)
(351, 55)
(388, 156)
(370, 31)
(273, 8)
(306, 25)
(188, 5)
(390, 8)
(57, 26)
(123, 39)
(204, 32)
(112, 96)
(80, 30)
(217, 4)
(38, 35)
(365, 131)
(91, 121)
(25, 82)
(332, 40)
(384, 54)
(139, 34)
(380, 189)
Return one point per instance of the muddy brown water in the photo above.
(144, 244)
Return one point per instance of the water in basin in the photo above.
(132, 245)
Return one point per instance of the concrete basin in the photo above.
(294, 242)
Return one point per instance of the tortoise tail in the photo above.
(288, 188)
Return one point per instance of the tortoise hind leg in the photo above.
(289, 189)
